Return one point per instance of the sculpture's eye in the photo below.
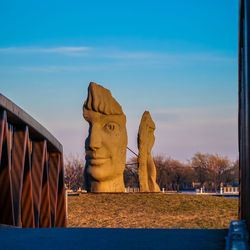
(110, 127)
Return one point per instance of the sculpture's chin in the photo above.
(105, 172)
(100, 172)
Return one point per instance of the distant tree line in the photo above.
(203, 170)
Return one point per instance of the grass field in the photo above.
(135, 210)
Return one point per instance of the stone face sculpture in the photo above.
(106, 144)
(147, 170)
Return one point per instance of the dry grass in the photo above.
(150, 211)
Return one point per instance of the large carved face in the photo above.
(106, 145)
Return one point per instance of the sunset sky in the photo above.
(176, 59)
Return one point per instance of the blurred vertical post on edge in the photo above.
(244, 109)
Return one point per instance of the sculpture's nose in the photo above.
(95, 138)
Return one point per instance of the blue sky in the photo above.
(177, 59)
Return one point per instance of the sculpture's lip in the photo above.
(97, 161)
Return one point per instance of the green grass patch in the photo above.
(137, 210)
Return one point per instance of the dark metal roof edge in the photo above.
(31, 122)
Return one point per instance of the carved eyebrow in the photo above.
(112, 122)
(110, 119)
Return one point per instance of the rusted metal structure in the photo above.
(244, 110)
(32, 192)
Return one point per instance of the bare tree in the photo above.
(231, 175)
(212, 170)
(182, 175)
(218, 166)
(74, 167)
(173, 174)
(130, 174)
(200, 162)
(163, 173)
(235, 172)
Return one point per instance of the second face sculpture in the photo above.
(147, 170)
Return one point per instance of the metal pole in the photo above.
(244, 107)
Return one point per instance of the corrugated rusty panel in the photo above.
(6, 201)
(61, 205)
(54, 164)
(45, 218)
(21, 179)
(27, 211)
(17, 167)
(38, 161)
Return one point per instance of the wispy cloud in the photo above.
(61, 68)
(174, 57)
(153, 57)
(197, 115)
(163, 58)
(117, 54)
(35, 50)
